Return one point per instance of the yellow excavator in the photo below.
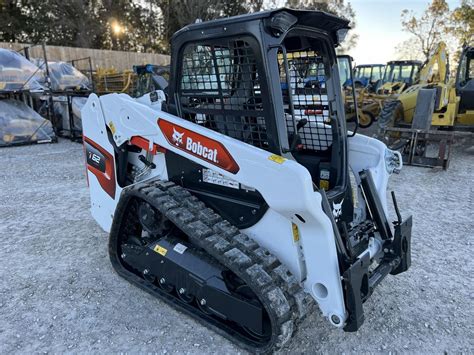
(435, 109)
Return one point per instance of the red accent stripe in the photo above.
(85, 160)
(107, 179)
(145, 144)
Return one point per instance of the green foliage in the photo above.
(131, 25)
(429, 28)
(179, 13)
(461, 24)
(81, 23)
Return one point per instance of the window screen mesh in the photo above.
(304, 88)
(220, 90)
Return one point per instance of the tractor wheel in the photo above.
(366, 119)
(390, 116)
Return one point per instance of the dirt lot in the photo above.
(58, 292)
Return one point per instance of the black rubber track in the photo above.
(277, 289)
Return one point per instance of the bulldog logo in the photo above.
(177, 137)
(337, 209)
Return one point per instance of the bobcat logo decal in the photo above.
(337, 209)
(177, 137)
(198, 144)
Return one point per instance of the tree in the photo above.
(105, 24)
(461, 26)
(179, 13)
(14, 21)
(462, 22)
(408, 50)
(336, 7)
(429, 28)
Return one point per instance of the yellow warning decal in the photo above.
(296, 233)
(276, 158)
(324, 184)
(2, 85)
(112, 127)
(160, 250)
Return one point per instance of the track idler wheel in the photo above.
(184, 295)
(165, 286)
(202, 305)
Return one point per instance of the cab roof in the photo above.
(308, 18)
(369, 65)
(404, 62)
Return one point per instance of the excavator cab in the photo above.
(368, 75)
(465, 80)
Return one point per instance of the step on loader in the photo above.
(229, 197)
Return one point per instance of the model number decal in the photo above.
(95, 158)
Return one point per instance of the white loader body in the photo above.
(309, 250)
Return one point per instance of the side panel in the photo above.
(100, 163)
(370, 153)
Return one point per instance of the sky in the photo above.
(379, 28)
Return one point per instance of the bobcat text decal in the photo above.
(198, 145)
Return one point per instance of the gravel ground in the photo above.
(58, 292)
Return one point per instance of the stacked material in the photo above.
(65, 77)
(20, 124)
(18, 73)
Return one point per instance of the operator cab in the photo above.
(465, 80)
(269, 79)
(400, 71)
(367, 75)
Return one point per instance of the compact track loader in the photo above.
(229, 197)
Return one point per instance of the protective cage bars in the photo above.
(303, 81)
(220, 90)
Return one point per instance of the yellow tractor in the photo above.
(398, 76)
(432, 109)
